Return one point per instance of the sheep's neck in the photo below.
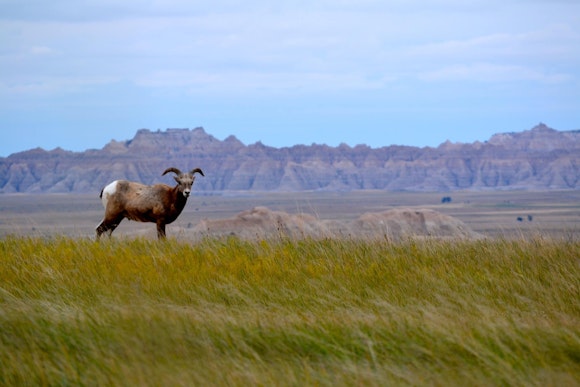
(178, 199)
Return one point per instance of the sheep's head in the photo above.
(184, 180)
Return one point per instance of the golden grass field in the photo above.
(329, 312)
(503, 310)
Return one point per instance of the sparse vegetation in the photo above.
(284, 312)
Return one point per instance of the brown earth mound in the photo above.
(401, 223)
(261, 222)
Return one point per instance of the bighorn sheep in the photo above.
(157, 203)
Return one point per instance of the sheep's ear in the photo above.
(177, 179)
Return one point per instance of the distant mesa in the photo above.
(536, 159)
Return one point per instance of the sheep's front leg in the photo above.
(161, 230)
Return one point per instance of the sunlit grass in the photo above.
(310, 312)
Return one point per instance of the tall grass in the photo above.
(310, 312)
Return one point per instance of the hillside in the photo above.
(539, 158)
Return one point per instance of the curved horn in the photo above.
(172, 169)
(197, 170)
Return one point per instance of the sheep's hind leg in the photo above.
(107, 227)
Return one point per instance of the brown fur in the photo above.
(159, 203)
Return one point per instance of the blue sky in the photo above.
(77, 74)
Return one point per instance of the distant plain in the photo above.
(491, 213)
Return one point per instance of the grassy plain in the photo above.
(330, 312)
(492, 213)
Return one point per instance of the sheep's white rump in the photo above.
(109, 191)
